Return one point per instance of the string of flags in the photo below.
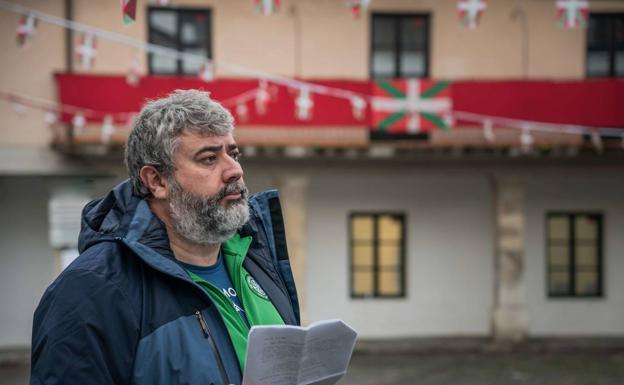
(570, 13)
(80, 117)
(86, 49)
(416, 111)
(26, 28)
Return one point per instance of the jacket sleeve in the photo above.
(84, 333)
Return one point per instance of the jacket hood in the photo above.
(110, 218)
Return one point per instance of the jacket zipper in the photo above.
(204, 328)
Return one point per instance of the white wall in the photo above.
(27, 262)
(450, 245)
(449, 249)
(576, 190)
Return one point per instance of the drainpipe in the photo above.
(518, 13)
(69, 38)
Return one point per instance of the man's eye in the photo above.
(208, 160)
(236, 155)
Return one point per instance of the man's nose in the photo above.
(233, 171)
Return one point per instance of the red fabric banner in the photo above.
(588, 102)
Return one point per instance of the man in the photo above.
(176, 263)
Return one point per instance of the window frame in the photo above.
(179, 45)
(571, 216)
(399, 17)
(375, 268)
(610, 44)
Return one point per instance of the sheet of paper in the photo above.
(290, 355)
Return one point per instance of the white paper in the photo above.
(291, 355)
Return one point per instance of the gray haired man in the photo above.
(176, 264)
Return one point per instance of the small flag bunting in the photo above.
(304, 104)
(573, 12)
(128, 8)
(206, 71)
(267, 7)
(26, 29)
(86, 50)
(357, 7)
(470, 12)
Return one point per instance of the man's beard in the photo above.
(203, 220)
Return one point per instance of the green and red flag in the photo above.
(128, 8)
(411, 105)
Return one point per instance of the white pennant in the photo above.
(597, 141)
(242, 112)
(571, 10)
(304, 104)
(262, 97)
(471, 10)
(19, 107)
(86, 51)
(206, 72)
(107, 129)
(50, 118)
(133, 77)
(78, 123)
(28, 28)
(357, 107)
(526, 139)
(488, 131)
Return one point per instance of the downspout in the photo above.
(518, 13)
(69, 37)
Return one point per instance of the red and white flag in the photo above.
(358, 7)
(107, 130)
(135, 73)
(267, 7)
(358, 107)
(262, 97)
(26, 29)
(470, 12)
(86, 50)
(304, 104)
(573, 12)
(206, 71)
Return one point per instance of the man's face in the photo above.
(206, 193)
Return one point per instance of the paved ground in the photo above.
(460, 369)
(487, 369)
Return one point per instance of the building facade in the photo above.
(466, 231)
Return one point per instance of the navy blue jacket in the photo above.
(125, 312)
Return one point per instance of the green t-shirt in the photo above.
(257, 305)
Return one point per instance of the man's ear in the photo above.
(155, 182)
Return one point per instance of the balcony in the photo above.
(483, 116)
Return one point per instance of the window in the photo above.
(185, 30)
(605, 45)
(574, 248)
(400, 46)
(377, 255)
